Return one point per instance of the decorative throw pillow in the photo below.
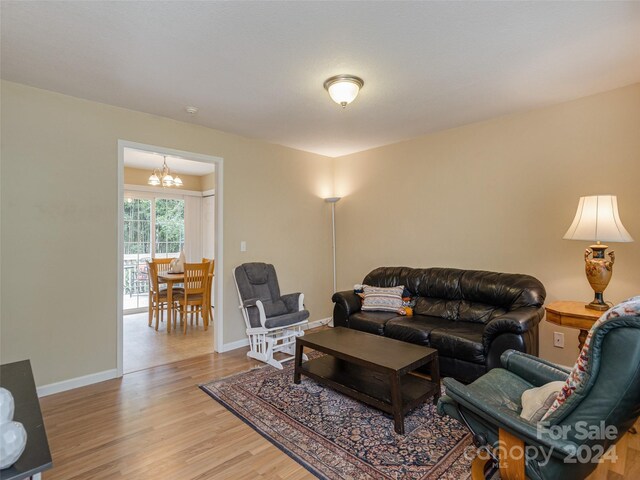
(382, 299)
(536, 401)
(405, 311)
(408, 302)
(578, 378)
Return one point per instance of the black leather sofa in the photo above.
(469, 316)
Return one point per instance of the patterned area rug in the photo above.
(336, 437)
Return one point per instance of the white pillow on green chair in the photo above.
(536, 401)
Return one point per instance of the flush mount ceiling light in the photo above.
(163, 177)
(343, 89)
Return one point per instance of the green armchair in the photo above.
(597, 413)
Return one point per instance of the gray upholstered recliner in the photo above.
(273, 321)
(606, 400)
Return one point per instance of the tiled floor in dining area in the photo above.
(144, 347)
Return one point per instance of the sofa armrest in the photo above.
(293, 301)
(533, 369)
(516, 321)
(346, 304)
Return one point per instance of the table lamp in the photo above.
(597, 219)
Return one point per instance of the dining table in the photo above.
(170, 279)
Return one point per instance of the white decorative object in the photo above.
(13, 439)
(13, 436)
(177, 264)
(6, 405)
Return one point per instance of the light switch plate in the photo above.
(243, 246)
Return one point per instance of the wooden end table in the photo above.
(372, 369)
(574, 315)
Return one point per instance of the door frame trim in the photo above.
(218, 322)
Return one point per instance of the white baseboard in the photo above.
(77, 382)
(227, 347)
(319, 323)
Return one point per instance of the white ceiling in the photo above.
(257, 68)
(149, 161)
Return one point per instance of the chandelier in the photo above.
(163, 177)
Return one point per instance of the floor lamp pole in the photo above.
(333, 201)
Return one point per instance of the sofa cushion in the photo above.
(257, 280)
(478, 312)
(274, 309)
(507, 290)
(461, 340)
(287, 319)
(392, 276)
(371, 322)
(416, 329)
(437, 307)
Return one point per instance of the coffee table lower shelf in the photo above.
(368, 386)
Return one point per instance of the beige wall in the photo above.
(498, 195)
(138, 176)
(208, 181)
(59, 191)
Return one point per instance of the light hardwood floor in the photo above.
(157, 424)
(144, 347)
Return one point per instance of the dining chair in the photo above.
(209, 287)
(196, 279)
(163, 264)
(158, 295)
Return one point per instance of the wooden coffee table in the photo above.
(372, 369)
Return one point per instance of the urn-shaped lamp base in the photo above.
(599, 271)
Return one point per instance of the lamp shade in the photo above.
(597, 219)
(343, 89)
(167, 180)
(154, 180)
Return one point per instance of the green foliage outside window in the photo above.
(137, 226)
(169, 225)
(169, 241)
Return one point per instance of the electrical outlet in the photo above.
(243, 246)
(558, 339)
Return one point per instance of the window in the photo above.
(169, 227)
(153, 227)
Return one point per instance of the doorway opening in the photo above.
(157, 224)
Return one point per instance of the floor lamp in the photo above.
(333, 201)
